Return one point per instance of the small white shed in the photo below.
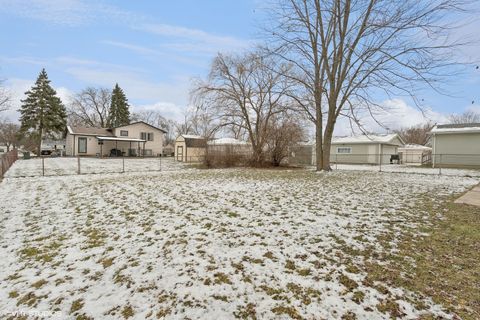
(190, 148)
(414, 154)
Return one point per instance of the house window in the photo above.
(344, 150)
(146, 136)
(82, 145)
(124, 133)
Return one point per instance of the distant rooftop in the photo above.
(459, 125)
(456, 128)
(191, 136)
(227, 141)
(370, 138)
(415, 146)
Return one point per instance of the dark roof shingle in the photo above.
(92, 131)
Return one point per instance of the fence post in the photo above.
(43, 166)
(160, 163)
(123, 164)
(78, 164)
(380, 162)
(440, 166)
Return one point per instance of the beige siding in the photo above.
(360, 153)
(72, 146)
(412, 156)
(396, 141)
(460, 149)
(387, 152)
(135, 130)
(366, 153)
(190, 154)
(195, 154)
(69, 145)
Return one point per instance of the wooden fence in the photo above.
(6, 161)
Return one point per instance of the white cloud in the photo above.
(171, 59)
(18, 87)
(396, 114)
(67, 12)
(166, 109)
(64, 94)
(132, 47)
(23, 60)
(81, 12)
(136, 86)
(195, 40)
(474, 108)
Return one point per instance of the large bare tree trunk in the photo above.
(327, 143)
(258, 158)
(319, 145)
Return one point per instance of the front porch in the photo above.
(122, 147)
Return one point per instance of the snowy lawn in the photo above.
(69, 166)
(213, 244)
(399, 168)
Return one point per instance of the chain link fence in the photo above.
(7, 160)
(446, 164)
(62, 166)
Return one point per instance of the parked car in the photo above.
(45, 152)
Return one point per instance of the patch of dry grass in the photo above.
(443, 265)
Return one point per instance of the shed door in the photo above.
(179, 153)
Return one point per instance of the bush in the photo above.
(226, 156)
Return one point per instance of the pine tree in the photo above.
(119, 113)
(42, 112)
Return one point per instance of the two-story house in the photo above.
(135, 139)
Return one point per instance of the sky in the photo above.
(153, 50)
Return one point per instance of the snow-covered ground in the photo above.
(69, 166)
(208, 244)
(396, 168)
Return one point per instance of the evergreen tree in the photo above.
(119, 113)
(42, 112)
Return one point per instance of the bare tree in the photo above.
(90, 107)
(155, 118)
(5, 98)
(469, 116)
(284, 132)
(416, 134)
(198, 120)
(184, 126)
(9, 134)
(348, 52)
(203, 121)
(247, 91)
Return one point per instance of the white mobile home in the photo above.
(365, 149)
(362, 149)
(456, 145)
